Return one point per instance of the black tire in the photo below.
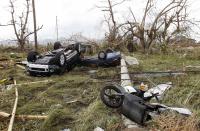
(77, 47)
(111, 100)
(60, 60)
(109, 50)
(32, 56)
(57, 45)
(102, 55)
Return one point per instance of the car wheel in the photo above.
(57, 45)
(62, 60)
(111, 96)
(32, 56)
(77, 47)
(109, 51)
(62, 63)
(102, 55)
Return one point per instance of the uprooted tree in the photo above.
(20, 24)
(163, 25)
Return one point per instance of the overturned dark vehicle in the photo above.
(106, 58)
(56, 61)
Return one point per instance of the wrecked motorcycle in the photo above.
(134, 106)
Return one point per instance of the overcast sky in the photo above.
(74, 16)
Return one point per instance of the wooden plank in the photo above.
(23, 117)
(21, 67)
(14, 109)
(4, 114)
(28, 83)
(31, 117)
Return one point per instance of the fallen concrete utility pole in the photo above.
(14, 109)
(192, 68)
(164, 72)
(127, 85)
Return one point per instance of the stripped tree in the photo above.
(163, 25)
(20, 24)
(113, 26)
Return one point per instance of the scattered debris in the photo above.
(131, 60)
(92, 71)
(98, 129)
(192, 68)
(65, 130)
(183, 111)
(14, 55)
(8, 87)
(159, 90)
(57, 106)
(74, 101)
(4, 114)
(21, 67)
(23, 63)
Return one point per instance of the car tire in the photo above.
(77, 47)
(109, 51)
(60, 60)
(57, 45)
(111, 101)
(102, 55)
(32, 56)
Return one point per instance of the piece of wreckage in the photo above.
(133, 102)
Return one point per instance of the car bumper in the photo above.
(38, 68)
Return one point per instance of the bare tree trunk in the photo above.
(143, 44)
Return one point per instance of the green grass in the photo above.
(51, 99)
(89, 112)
